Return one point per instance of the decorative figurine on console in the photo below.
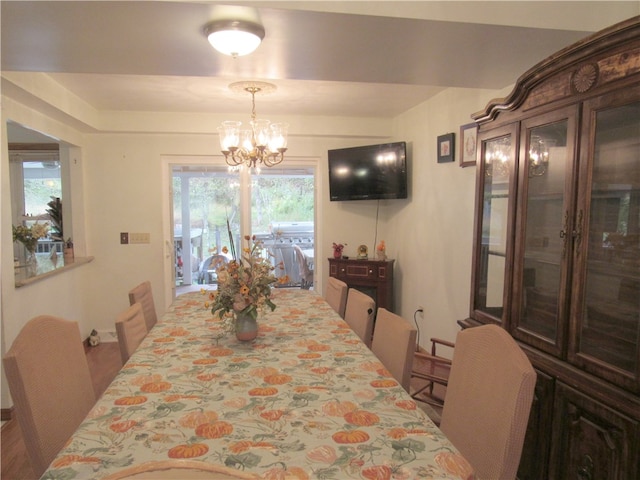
(337, 250)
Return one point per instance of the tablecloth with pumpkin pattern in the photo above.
(305, 400)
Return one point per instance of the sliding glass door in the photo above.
(209, 201)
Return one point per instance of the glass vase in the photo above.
(246, 327)
(31, 261)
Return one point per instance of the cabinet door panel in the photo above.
(606, 313)
(591, 441)
(494, 213)
(534, 461)
(543, 230)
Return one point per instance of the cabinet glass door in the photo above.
(607, 316)
(543, 236)
(491, 250)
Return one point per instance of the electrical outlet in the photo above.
(124, 238)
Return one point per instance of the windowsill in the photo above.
(78, 261)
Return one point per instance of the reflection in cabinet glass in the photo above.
(498, 158)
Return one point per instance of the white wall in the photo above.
(428, 234)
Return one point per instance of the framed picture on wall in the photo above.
(446, 148)
(468, 140)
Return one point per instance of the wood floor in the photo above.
(104, 363)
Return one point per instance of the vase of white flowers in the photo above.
(29, 237)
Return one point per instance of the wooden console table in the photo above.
(373, 277)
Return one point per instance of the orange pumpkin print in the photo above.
(67, 460)
(384, 383)
(406, 404)
(261, 372)
(350, 436)
(320, 370)
(220, 352)
(214, 430)
(278, 379)
(189, 450)
(207, 377)
(205, 361)
(319, 347)
(121, 427)
(193, 419)
(454, 464)
(164, 340)
(263, 391)
(335, 408)
(155, 387)
(377, 472)
(362, 418)
(133, 400)
(397, 433)
(308, 356)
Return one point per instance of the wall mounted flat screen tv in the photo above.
(372, 172)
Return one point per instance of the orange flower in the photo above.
(121, 427)
(193, 419)
(272, 415)
(214, 430)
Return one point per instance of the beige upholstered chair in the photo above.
(143, 294)
(488, 400)
(394, 343)
(50, 384)
(182, 470)
(359, 314)
(336, 295)
(131, 329)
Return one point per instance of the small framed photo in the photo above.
(468, 143)
(446, 145)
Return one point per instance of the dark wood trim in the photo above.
(39, 147)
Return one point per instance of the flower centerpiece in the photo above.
(29, 236)
(244, 288)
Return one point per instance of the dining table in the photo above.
(306, 399)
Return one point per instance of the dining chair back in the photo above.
(489, 397)
(131, 330)
(359, 314)
(143, 295)
(180, 469)
(394, 343)
(336, 295)
(306, 274)
(50, 384)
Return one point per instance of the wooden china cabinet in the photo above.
(556, 255)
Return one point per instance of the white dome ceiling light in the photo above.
(235, 31)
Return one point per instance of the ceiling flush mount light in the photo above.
(234, 37)
(263, 143)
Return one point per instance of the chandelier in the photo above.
(539, 155)
(263, 143)
(497, 157)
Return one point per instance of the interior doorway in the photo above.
(212, 202)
